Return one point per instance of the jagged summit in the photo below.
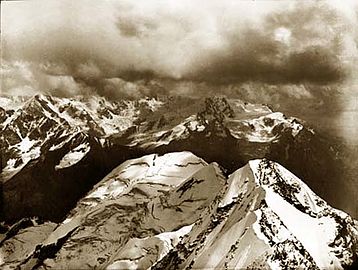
(176, 211)
(216, 110)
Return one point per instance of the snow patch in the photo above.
(74, 156)
(261, 129)
(28, 151)
(111, 190)
(314, 233)
(25, 145)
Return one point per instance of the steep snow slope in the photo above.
(267, 218)
(146, 202)
(176, 211)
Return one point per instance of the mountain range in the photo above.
(169, 182)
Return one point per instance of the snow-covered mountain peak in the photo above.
(169, 169)
(316, 225)
(28, 124)
(177, 211)
(268, 218)
(272, 176)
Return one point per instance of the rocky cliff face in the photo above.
(177, 211)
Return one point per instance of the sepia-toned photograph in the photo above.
(179, 134)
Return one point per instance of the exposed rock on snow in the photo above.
(176, 211)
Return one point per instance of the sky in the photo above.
(269, 51)
(70, 47)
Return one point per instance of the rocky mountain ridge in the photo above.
(58, 146)
(176, 211)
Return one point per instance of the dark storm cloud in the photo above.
(75, 47)
(303, 44)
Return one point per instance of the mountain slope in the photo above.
(177, 211)
(40, 118)
(54, 147)
(267, 218)
(233, 132)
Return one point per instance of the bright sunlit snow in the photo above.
(74, 156)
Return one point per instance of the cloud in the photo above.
(75, 47)
(302, 44)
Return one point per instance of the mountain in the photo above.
(177, 211)
(53, 147)
(42, 118)
(232, 132)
